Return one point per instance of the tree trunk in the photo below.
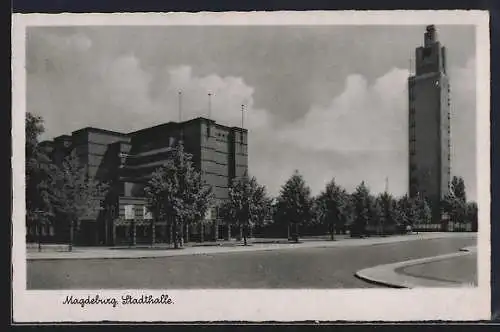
(216, 231)
(202, 231)
(244, 233)
(187, 234)
(181, 233)
(170, 233)
(176, 232)
(296, 232)
(39, 237)
(71, 234)
(134, 233)
(288, 231)
(332, 232)
(113, 233)
(153, 231)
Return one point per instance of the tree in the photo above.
(294, 203)
(348, 214)
(248, 204)
(374, 212)
(423, 211)
(362, 205)
(176, 190)
(77, 195)
(33, 129)
(458, 188)
(39, 172)
(387, 211)
(454, 203)
(332, 205)
(472, 215)
(407, 207)
(399, 217)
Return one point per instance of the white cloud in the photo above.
(361, 134)
(463, 124)
(362, 118)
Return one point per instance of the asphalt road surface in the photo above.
(292, 268)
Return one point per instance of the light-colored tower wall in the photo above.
(429, 124)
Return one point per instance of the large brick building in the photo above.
(429, 124)
(126, 161)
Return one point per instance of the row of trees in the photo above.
(335, 208)
(177, 193)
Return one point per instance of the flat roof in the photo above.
(100, 130)
(166, 124)
(62, 137)
(178, 124)
(47, 142)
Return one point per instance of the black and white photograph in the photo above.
(278, 166)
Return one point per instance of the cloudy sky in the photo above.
(330, 101)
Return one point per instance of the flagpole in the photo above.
(242, 122)
(210, 106)
(180, 106)
(242, 117)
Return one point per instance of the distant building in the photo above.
(429, 124)
(126, 162)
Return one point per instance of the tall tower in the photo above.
(429, 124)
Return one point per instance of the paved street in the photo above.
(307, 267)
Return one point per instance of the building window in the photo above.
(129, 212)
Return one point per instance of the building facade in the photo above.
(126, 162)
(429, 124)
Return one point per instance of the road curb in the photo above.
(386, 275)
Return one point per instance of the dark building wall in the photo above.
(240, 152)
(215, 160)
(445, 136)
(97, 144)
(149, 149)
(429, 124)
(126, 162)
(223, 157)
(217, 151)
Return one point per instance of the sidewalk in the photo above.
(124, 253)
(410, 274)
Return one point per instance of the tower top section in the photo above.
(430, 36)
(430, 58)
